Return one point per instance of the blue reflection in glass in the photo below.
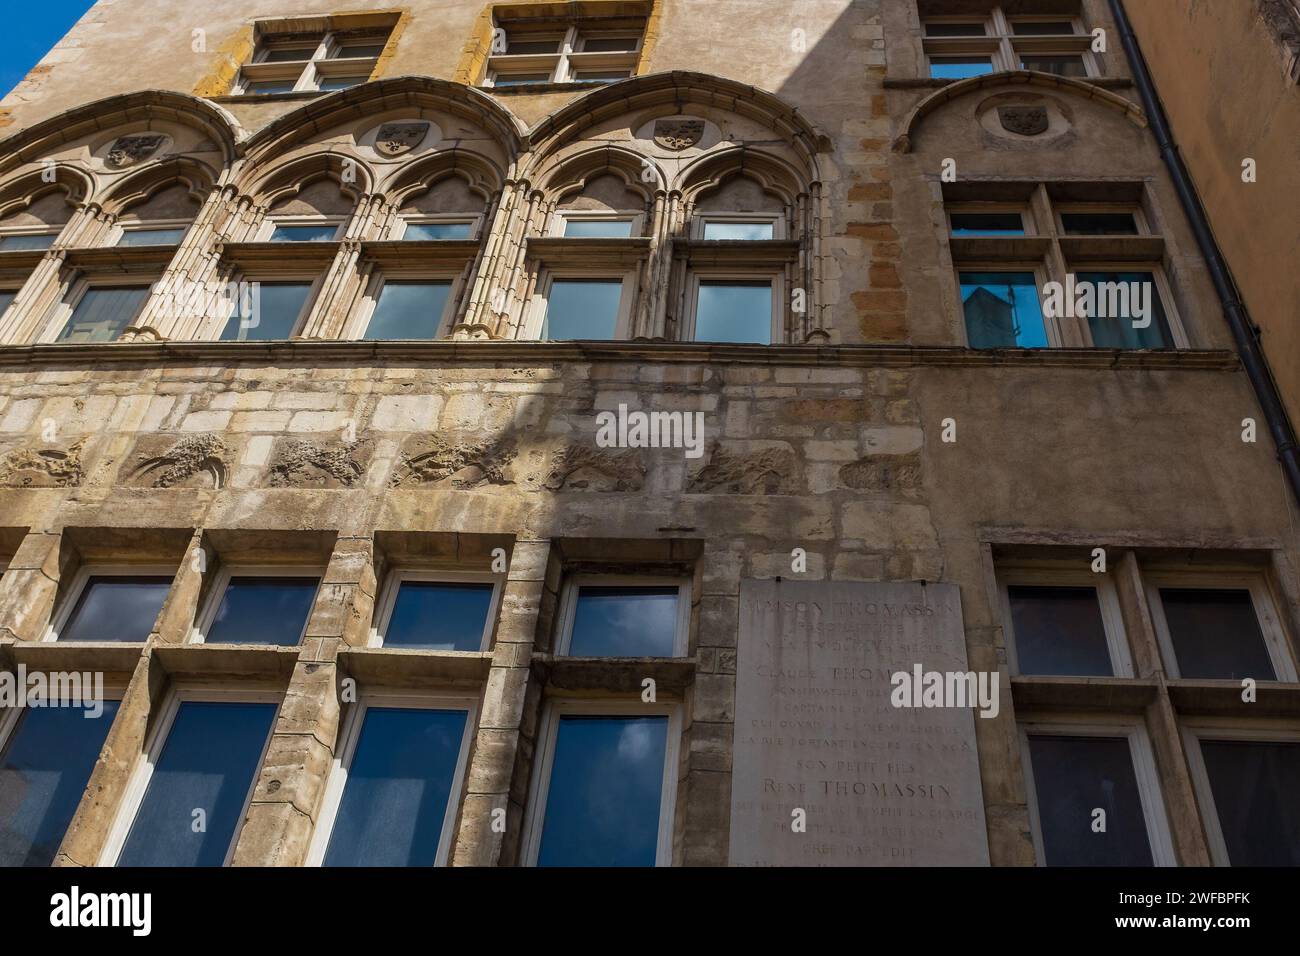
(439, 616)
(409, 310)
(1002, 310)
(602, 808)
(625, 622)
(734, 312)
(6, 299)
(747, 231)
(263, 611)
(958, 67)
(398, 788)
(440, 231)
(43, 773)
(320, 233)
(582, 309)
(116, 609)
(151, 237)
(207, 763)
(28, 243)
(273, 312)
(597, 228)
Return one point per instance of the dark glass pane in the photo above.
(151, 237)
(1120, 298)
(271, 86)
(328, 84)
(625, 622)
(987, 224)
(103, 314)
(602, 808)
(1042, 28)
(1073, 776)
(6, 299)
(959, 67)
(749, 231)
(409, 310)
(525, 47)
(437, 230)
(317, 233)
(597, 228)
(27, 243)
(263, 611)
(1058, 65)
(1255, 786)
(398, 788)
(1216, 634)
(116, 609)
(734, 312)
(582, 309)
(520, 79)
(1099, 223)
(608, 44)
(439, 615)
(208, 762)
(43, 774)
(274, 309)
(1059, 631)
(1002, 310)
(593, 76)
(368, 50)
(288, 54)
(954, 29)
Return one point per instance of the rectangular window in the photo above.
(392, 799)
(576, 228)
(564, 52)
(151, 237)
(262, 87)
(328, 84)
(733, 229)
(409, 310)
(958, 47)
(626, 617)
(735, 310)
(605, 787)
(583, 309)
(437, 231)
(203, 761)
(1213, 634)
(1099, 224)
(1116, 320)
(987, 224)
(1060, 631)
(27, 242)
(959, 67)
(47, 756)
(437, 611)
(1042, 28)
(1002, 310)
(114, 607)
(305, 232)
(312, 61)
(103, 313)
(942, 28)
(1057, 64)
(525, 78)
(1248, 789)
(260, 608)
(276, 311)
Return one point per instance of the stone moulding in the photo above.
(42, 467)
(433, 460)
(584, 468)
(301, 463)
(769, 471)
(187, 458)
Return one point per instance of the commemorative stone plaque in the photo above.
(816, 731)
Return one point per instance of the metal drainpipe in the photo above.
(1243, 330)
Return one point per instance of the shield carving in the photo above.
(129, 150)
(396, 139)
(1024, 120)
(678, 134)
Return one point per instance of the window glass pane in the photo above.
(7, 297)
(597, 228)
(1059, 631)
(524, 46)
(316, 233)
(398, 788)
(1002, 310)
(328, 84)
(595, 76)
(275, 308)
(625, 621)
(1042, 28)
(439, 615)
(738, 230)
(288, 54)
(354, 50)
(602, 808)
(1255, 786)
(734, 312)
(959, 67)
(437, 230)
(1050, 63)
(520, 79)
(263, 611)
(1074, 776)
(1121, 297)
(208, 762)
(270, 86)
(43, 773)
(598, 44)
(954, 29)
(102, 314)
(27, 243)
(116, 609)
(987, 224)
(1216, 634)
(151, 237)
(582, 309)
(409, 310)
(1099, 223)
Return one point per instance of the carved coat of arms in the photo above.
(678, 134)
(396, 139)
(1025, 120)
(129, 150)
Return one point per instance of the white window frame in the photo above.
(562, 218)
(1060, 209)
(362, 317)
(570, 58)
(541, 300)
(341, 764)
(754, 275)
(702, 219)
(569, 604)
(398, 576)
(273, 222)
(1270, 625)
(315, 280)
(142, 771)
(212, 602)
(123, 226)
(8, 231)
(1023, 210)
(1144, 771)
(62, 312)
(1193, 732)
(1112, 619)
(419, 219)
(78, 587)
(1052, 326)
(309, 72)
(1162, 289)
(540, 787)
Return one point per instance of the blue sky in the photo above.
(30, 29)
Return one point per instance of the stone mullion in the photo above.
(188, 281)
(473, 270)
(232, 217)
(180, 608)
(498, 768)
(286, 799)
(30, 586)
(513, 282)
(338, 291)
(818, 333)
(37, 296)
(479, 312)
(649, 312)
